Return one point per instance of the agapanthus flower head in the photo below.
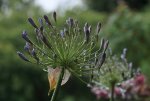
(119, 79)
(72, 48)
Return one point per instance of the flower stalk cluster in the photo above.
(119, 81)
(63, 50)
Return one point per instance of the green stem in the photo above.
(55, 93)
(112, 92)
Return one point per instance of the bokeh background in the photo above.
(125, 23)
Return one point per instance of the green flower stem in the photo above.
(112, 92)
(55, 93)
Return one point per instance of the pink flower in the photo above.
(139, 80)
(118, 91)
(100, 93)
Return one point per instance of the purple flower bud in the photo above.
(25, 36)
(106, 46)
(87, 32)
(123, 55)
(34, 55)
(102, 43)
(86, 26)
(70, 22)
(38, 35)
(32, 23)
(130, 65)
(22, 56)
(27, 47)
(46, 41)
(41, 22)
(100, 60)
(47, 21)
(54, 16)
(125, 51)
(90, 29)
(98, 27)
(62, 33)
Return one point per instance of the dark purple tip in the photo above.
(101, 60)
(102, 43)
(41, 22)
(25, 37)
(22, 56)
(27, 47)
(106, 45)
(87, 32)
(33, 52)
(70, 22)
(62, 33)
(98, 27)
(90, 29)
(34, 55)
(54, 16)
(86, 26)
(47, 20)
(32, 23)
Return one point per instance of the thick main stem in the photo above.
(55, 93)
(112, 92)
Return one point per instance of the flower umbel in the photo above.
(117, 80)
(64, 51)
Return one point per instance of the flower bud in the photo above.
(32, 23)
(25, 37)
(100, 60)
(41, 22)
(71, 21)
(47, 21)
(27, 47)
(106, 46)
(34, 55)
(22, 56)
(98, 27)
(102, 43)
(62, 33)
(54, 16)
(87, 32)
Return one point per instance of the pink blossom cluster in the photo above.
(133, 88)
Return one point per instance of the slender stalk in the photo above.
(112, 92)
(55, 93)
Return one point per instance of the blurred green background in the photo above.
(126, 26)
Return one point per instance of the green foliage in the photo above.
(101, 5)
(131, 30)
(137, 4)
(110, 5)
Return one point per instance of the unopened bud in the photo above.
(32, 23)
(47, 21)
(106, 46)
(22, 56)
(25, 37)
(98, 27)
(55, 16)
